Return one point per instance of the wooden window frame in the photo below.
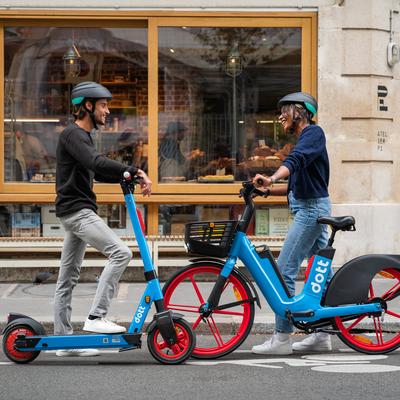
(163, 193)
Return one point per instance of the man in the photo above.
(307, 167)
(78, 163)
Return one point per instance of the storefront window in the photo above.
(268, 221)
(42, 64)
(218, 89)
(36, 220)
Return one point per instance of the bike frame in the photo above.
(307, 305)
(152, 293)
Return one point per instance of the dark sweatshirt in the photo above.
(308, 164)
(78, 163)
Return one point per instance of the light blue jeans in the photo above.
(304, 238)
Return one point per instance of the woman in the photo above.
(307, 168)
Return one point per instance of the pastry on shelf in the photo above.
(216, 178)
(272, 162)
(173, 179)
(264, 151)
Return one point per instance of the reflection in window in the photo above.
(271, 221)
(35, 220)
(42, 64)
(218, 90)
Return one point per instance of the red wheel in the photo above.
(369, 334)
(189, 288)
(9, 338)
(177, 353)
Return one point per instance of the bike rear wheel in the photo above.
(369, 334)
(189, 289)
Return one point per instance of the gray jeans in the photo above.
(86, 227)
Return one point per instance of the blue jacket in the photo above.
(308, 164)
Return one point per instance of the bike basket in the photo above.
(210, 238)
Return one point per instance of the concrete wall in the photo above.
(363, 139)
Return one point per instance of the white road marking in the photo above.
(5, 363)
(9, 290)
(337, 363)
(344, 357)
(123, 291)
(361, 368)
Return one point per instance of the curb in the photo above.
(258, 328)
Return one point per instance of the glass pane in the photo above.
(18, 220)
(218, 90)
(268, 221)
(42, 64)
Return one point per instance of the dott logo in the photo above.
(139, 314)
(319, 277)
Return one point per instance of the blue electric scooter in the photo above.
(169, 337)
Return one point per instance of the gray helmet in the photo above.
(89, 90)
(302, 98)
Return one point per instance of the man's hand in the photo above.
(145, 182)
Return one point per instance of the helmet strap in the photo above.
(302, 113)
(91, 112)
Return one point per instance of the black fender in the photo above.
(20, 319)
(241, 274)
(350, 284)
(153, 323)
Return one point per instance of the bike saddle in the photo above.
(346, 223)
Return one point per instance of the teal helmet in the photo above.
(89, 90)
(305, 99)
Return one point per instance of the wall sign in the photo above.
(382, 93)
(382, 138)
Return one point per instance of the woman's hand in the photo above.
(266, 181)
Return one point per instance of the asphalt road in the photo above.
(340, 374)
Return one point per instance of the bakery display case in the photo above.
(38, 109)
(198, 123)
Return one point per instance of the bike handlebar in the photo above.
(248, 192)
(128, 182)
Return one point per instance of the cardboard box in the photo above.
(262, 222)
(53, 230)
(214, 213)
(48, 214)
(25, 232)
(25, 220)
(278, 221)
(178, 228)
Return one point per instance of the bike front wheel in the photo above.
(224, 329)
(374, 334)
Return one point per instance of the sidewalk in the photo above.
(36, 301)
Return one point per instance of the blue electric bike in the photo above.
(170, 338)
(360, 303)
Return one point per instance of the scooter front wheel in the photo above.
(216, 334)
(375, 334)
(176, 353)
(9, 348)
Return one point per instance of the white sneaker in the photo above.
(78, 353)
(319, 341)
(102, 325)
(274, 346)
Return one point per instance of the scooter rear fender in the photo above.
(350, 284)
(15, 319)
